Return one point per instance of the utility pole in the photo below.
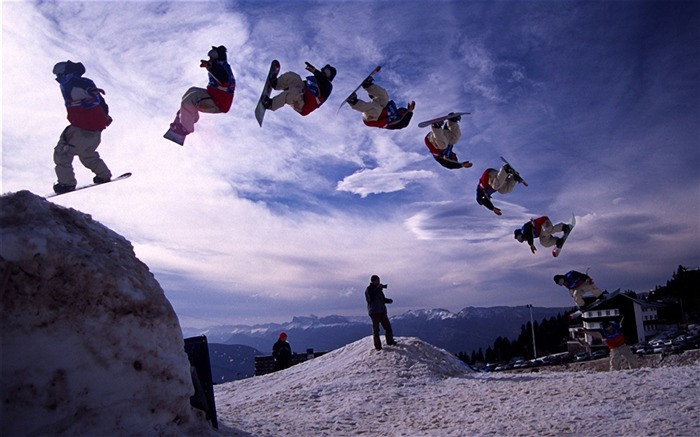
(532, 328)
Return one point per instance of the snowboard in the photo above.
(118, 178)
(514, 171)
(267, 89)
(427, 123)
(557, 250)
(375, 71)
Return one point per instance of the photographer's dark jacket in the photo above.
(376, 301)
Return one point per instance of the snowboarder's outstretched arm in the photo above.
(452, 165)
(483, 199)
(402, 123)
(324, 84)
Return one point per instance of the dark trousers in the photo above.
(383, 319)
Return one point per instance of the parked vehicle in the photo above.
(582, 356)
(643, 349)
(600, 353)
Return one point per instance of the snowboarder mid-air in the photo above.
(304, 95)
(380, 111)
(440, 140)
(492, 180)
(578, 284)
(216, 98)
(542, 228)
(88, 115)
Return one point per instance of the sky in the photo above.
(596, 104)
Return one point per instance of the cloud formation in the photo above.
(248, 224)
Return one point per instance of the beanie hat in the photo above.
(332, 71)
(69, 67)
(218, 53)
(283, 335)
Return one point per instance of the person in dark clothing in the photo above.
(304, 95)
(282, 353)
(380, 111)
(376, 307)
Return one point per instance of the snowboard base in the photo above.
(557, 250)
(267, 90)
(522, 181)
(118, 178)
(427, 123)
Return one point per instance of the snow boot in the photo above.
(454, 119)
(175, 137)
(352, 99)
(60, 188)
(267, 102)
(99, 180)
(367, 82)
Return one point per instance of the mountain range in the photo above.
(232, 347)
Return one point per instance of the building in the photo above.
(640, 321)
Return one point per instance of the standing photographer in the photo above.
(376, 307)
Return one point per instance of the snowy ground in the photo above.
(415, 389)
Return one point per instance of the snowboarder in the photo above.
(88, 115)
(440, 140)
(578, 284)
(615, 340)
(542, 228)
(304, 95)
(493, 180)
(216, 98)
(380, 111)
(376, 307)
(282, 352)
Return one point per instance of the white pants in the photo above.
(194, 101)
(620, 352)
(441, 138)
(501, 181)
(83, 144)
(373, 109)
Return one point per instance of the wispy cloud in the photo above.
(246, 222)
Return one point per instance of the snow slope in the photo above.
(90, 344)
(415, 389)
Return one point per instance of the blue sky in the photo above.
(597, 104)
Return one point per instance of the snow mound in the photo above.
(410, 358)
(340, 374)
(90, 344)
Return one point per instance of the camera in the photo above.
(383, 285)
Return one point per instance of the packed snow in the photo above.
(415, 389)
(90, 344)
(92, 347)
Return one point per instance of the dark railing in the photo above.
(265, 364)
